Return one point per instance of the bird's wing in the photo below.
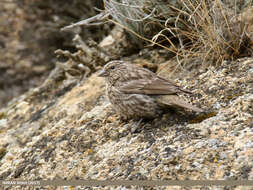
(177, 102)
(155, 86)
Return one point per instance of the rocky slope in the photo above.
(67, 129)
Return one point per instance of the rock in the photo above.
(67, 129)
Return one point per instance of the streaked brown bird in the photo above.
(136, 92)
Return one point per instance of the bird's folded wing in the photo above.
(175, 101)
(156, 86)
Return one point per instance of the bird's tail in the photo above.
(175, 101)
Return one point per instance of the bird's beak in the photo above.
(102, 73)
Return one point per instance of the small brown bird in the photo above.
(137, 93)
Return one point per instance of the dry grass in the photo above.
(201, 28)
(210, 31)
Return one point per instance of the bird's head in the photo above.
(111, 68)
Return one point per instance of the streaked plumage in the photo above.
(136, 92)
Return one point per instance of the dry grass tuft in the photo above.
(211, 31)
(201, 28)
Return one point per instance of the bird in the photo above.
(138, 93)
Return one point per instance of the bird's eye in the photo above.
(112, 67)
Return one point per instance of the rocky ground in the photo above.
(65, 128)
(29, 35)
(68, 130)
